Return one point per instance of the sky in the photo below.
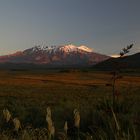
(104, 25)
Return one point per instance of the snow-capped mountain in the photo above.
(65, 55)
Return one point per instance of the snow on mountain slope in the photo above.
(65, 48)
(84, 48)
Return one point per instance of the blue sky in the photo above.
(104, 25)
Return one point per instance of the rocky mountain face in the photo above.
(68, 55)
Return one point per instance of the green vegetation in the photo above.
(27, 96)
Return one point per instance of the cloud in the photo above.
(114, 55)
(138, 49)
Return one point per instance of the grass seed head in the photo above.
(49, 119)
(76, 118)
(66, 127)
(74, 111)
(49, 113)
(7, 115)
(50, 123)
(17, 124)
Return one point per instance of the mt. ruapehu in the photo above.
(66, 55)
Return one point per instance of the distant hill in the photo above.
(127, 62)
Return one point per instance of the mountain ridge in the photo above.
(127, 62)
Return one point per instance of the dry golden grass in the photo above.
(77, 78)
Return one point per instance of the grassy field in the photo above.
(27, 94)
